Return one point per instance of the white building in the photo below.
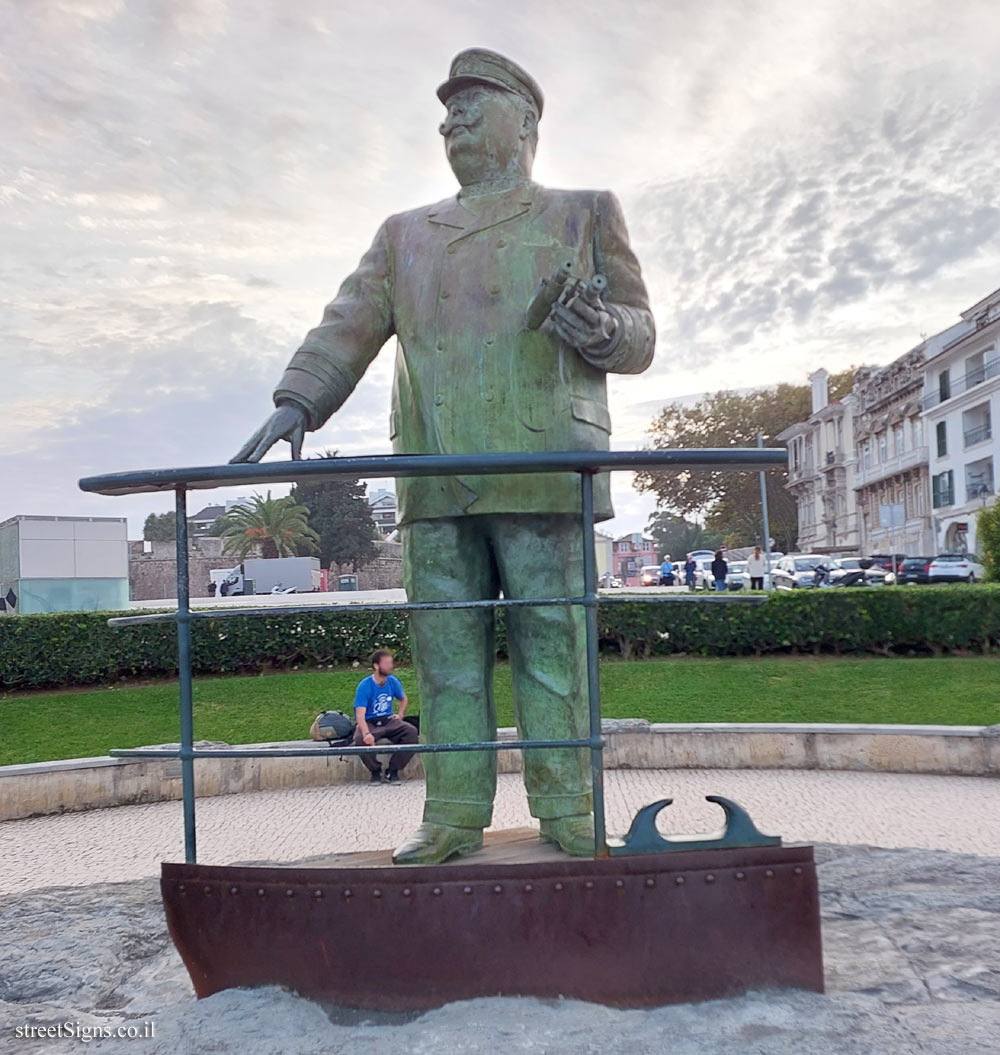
(891, 481)
(821, 464)
(961, 406)
(382, 504)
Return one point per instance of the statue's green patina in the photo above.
(453, 282)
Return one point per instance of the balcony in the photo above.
(899, 463)
(835, 457)
(965, 383)
(977, 435)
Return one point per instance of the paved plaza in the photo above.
(129, 842)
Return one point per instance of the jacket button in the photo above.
(450, 249)
(440, 346)
(501, 243)
(445, 294)
(439, 400)
(494, 291)
(488, 340)
(488, 395)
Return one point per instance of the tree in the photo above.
(677, 536)
(279, 525)
(218, 528)
(160, 527)
(339, 511)
(988, 535)
(730, 501)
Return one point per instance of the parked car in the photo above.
(891, 562)
(955, 567)
(797, 569)
(874, 575)
(703, 577)
(915, 569)
(649, 575)
(610, 582)
(737, 579)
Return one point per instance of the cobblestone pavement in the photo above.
(129, 842)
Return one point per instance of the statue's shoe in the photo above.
(573, 835)
(432, 844)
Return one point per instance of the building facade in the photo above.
(63, 564)
(382, 504)
(821, 467)
(630, 553)
(961, 404)
(891, 481)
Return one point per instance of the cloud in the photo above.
(184, 189)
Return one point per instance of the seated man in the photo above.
(373, 713)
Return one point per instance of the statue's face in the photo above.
(484, 132)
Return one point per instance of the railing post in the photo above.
(593, 674)
(184, 675)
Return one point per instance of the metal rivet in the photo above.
(180, 887)
(289, 893)
(501, 243)
(679, 881)
(407, 891)
(376, 892)
(467, 890)
(348, 892)
(528, 888)
(650, 882)
(317, 893)
(769, 873)
(234, 890)
(710, 878)
(619, 883)
(589, 884)
(741, 875)
(559, 886)
(208, 890)
(260, 891)
(498, 889)
(798, 871)
(436, 891)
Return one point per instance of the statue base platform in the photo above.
(518, 918)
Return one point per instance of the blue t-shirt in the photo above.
(377, 699)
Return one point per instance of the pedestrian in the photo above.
(373, 713)
(720, 569)
(690, 567)
(756, 569)
(666, 572)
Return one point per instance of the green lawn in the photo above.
(947, 691)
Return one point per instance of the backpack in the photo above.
(334, 727)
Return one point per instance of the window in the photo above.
(942, 439)
(883, 447)
(918, 496)
(943, 488)
(944, 385)
(866, 455)
(897, 439)
(917, 427)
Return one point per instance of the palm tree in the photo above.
(278, 525)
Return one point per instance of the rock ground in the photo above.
(911, 940)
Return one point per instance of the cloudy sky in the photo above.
(183, 186)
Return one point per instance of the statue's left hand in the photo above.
(584, 326)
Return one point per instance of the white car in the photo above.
(737, 578)
(797, 570)
(874, 575)
(956, 567)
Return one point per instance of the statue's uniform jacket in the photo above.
(454, 288)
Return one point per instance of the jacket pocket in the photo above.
(393, 424)
(591, 411)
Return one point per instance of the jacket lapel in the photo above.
(463, 223)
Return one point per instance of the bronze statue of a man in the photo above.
(453, 282)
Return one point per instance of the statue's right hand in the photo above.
(288, 422)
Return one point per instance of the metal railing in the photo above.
(586, 463)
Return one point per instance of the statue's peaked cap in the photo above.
(481, 66)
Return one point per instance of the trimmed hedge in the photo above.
(79, 648)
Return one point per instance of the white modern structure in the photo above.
(63, 564)
(382, 504)
(961, 404)
(821, 467)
